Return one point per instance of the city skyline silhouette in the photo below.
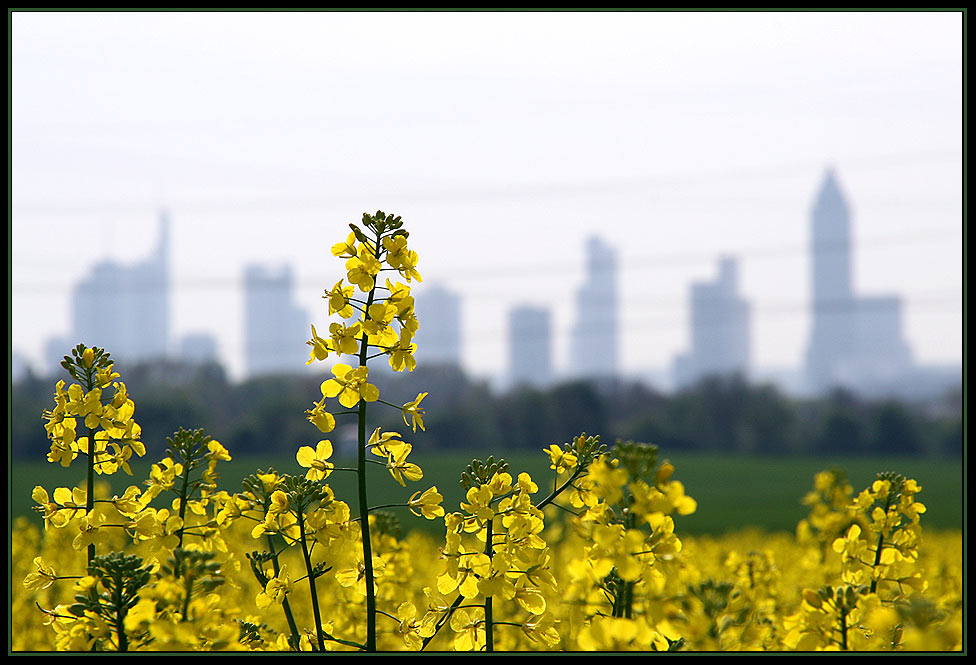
(676, 137)
(855, 341)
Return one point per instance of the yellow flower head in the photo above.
(316, 460)
(321, 348)
(427, 504)
(350, 385)
(416, 413)
(560, 460)
(321, 418)
(345, 249)
(362, 270)
(339, 300)
(400, 468)
(275, 590)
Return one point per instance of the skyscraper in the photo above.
(720, 328)
(593, 347)
(126, 309)
(854, 342)
(439, 336)
(832, 337)
(529, 346)
(275, 328)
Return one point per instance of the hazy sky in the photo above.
(504, 140)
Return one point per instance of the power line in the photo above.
(492, 272)
(936, 302)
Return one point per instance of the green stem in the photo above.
(877, 561)
(348, 643)
(186, 482)
(116, 589)
(90, 495)
(623, 591)
(443, 621)
(188, 592)
(618, 594)
(489, 633)
(630, 522)
(447, 617)
(390, 505)
(120, 631)
(178, 568)
(843, 627)
(311, 582)
(364, 527)
(292, 626)
(877, 553)
(559, 490)
(381, 401)
(90, 506)
(363, 498)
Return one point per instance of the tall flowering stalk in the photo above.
(624, 507)
(494, 551)
(879, 572)
(378, 320)
(101, 405)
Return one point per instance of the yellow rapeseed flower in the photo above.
(416, 413)
(316, 460)
(427, 504)
(350, 385)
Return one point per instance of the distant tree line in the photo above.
(719, 414)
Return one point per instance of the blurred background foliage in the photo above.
(719, 414)
(747, 453)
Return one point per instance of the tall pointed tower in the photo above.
(856, 340)
(832, 339)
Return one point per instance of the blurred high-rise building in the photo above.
(125, 309)
(855, 342)
(55, 349)
(832, 336)
(20, 366)
(439, 337)
(198, 348)
(275, 328)
(593, 346)
(529, 346)
(720, 328)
